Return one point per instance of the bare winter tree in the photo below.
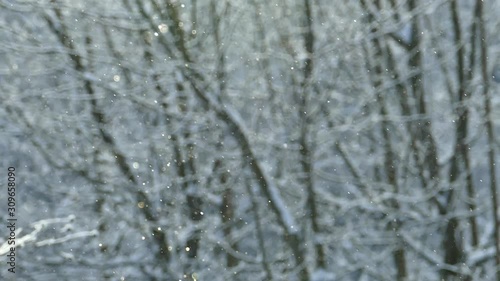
(253, 140)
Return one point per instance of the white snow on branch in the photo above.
(480, 255)
(90, 77)
(52, 241)
(235, 121)
(274, 195)
(277, 200)
(432, 257)
(38, 227)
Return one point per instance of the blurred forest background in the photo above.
(301, 140)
